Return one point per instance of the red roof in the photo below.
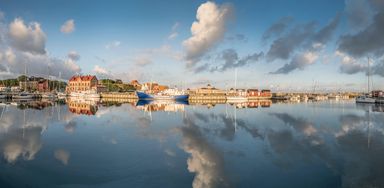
(82, 78)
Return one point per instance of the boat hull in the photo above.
(365, 100)
(145, 96)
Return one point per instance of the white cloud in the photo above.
(113, 44)
(2, 16)
(143, 61)
(73, 55)
(101, 71)
(174, 32)
(27, 38)
(68, 26)
(23, 46)
(207, 31)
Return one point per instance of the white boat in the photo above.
(236, 99)
(48, 95)
(61, 95)
(23, 95)
(85, 94)
(367, 98)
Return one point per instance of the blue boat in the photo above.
(162, 96)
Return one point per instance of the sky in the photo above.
(283, 45)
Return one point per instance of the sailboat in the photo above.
(49, 94)
(367, 98)
(236, 98)
(24, 94)
(60, 94)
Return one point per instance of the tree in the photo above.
(22, 78)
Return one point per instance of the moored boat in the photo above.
(365, 99)
(85, 94)
(23, 95)
(2, 96)
(168, 94)
(48, 95)
(236, 99)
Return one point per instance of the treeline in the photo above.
(117, 85)
(13, 81)
(53, 84)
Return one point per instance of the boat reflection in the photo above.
(161, 105)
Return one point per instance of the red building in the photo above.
(253, 93)
(377, 93)
(266, 93)
(43, 86)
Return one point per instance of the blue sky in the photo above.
(146, 40)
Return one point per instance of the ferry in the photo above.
(168, 94)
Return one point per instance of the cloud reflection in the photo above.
(62, 156)
(205, 160)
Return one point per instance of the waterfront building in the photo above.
(29, 85)
(377, 93)
(153, 87)
(83, 83)
(15, 89)
(253, 93)
(43, 86)
(237, 92)
(208, 91)
(136, 84)
(266, 93)
(3, 88)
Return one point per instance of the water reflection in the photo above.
(226, 145)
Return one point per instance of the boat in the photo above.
(367, 98)
(23, 95)
(85, 94)
(61, 95)
(236, 98)
(48, 95)
(2, 96)
(168, 94)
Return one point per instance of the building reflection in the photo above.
(82, 107)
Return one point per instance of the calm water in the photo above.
(85, 144)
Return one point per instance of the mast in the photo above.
(369, 72)
(235, 79)
(25, 80)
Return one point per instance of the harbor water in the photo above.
(263, 144)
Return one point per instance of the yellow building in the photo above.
(82, 83)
